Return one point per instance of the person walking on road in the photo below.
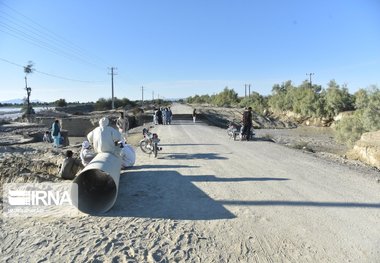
(194, 115)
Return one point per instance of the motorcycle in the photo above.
(150, 142)
(232, 131)
(244, 137)
(235, 132)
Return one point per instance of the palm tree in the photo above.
(28, 69)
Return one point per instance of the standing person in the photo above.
(105, 138)
(155, 121)
(159, 116)
(194, 115)
(170, 116)
(69, 167)
(55, 132)
(247, 123)
(164, 116)
(122, 124)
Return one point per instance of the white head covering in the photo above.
(104, 122)
(85, 144)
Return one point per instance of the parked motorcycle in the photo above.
(243, 137)
(233, 131)
(150, 143)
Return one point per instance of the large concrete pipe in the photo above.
(98, 184)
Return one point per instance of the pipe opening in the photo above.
(96, 191)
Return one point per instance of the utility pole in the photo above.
(142, 96)
(309, 74)
(112, 74)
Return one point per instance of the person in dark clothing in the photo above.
(159, 116)
(194, 114)
(55, 132)
(247, 123)
(69, 167)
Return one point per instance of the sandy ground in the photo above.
(210, 199)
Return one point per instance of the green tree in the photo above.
(282, 97)
(371, 113)
(258, 102)
(361, 99)
(366, 118)
(349, 129)
(228, 97)
(103, 104)
(337, 99)
(60, 103)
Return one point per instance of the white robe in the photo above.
(128, 156)
(103, 138)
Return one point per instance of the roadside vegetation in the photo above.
(310, 101)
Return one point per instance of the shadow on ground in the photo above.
(301, 203)
(185, 156)
(159, 166)
(164, 194)
(187, 144)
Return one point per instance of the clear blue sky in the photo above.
(180, 48)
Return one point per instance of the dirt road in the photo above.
(210, 199)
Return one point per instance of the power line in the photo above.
(32, 40)
(42, 44)
(53, 75)
(40, 36)
(45, 31)
(43, 34)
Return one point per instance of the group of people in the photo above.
(102, 139)
(162, 116)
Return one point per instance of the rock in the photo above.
(367, 149)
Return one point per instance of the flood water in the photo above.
(12, 113)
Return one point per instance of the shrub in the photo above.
(106, 104)
(337, 99)
(349, 129)
(228, 97)
(371, 113)
(256, 101)
(60, 103)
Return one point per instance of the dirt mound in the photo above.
(367, 149)
(24, 165)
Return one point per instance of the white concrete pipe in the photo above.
(98, 184)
